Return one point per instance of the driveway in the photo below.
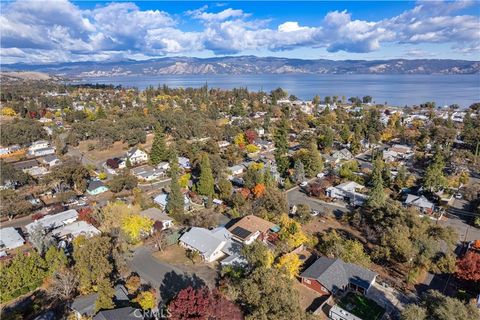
(167, 279)
(296, 197)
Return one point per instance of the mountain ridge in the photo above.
(249, 65)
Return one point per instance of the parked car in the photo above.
(315, 213)
(320, 175)
(458, 196)
(303, 184)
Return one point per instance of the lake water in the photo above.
(397, 90)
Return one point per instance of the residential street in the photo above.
(163, 277)
(295, 197)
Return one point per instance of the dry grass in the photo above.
(118, 149)
(175, 255)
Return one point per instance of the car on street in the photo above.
(315, 213)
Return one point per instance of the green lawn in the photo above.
(361, 306)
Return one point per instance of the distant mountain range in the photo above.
(249, 65)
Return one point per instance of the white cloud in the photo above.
(61, 31)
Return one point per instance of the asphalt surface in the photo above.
(295, 197)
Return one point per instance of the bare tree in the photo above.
(64, 284)
(159, 236)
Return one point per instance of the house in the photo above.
(126, 313)
(328, 276)
(343, 154)
(75, 229)
(419, 202)
(84, 306)
(38, 145)
(137, 156)
(24, 165)
(184, 163)
(158, 215)
(164, 165)
(162, 201)
(347, 191)
(96, 187)
(50, 160)
(116, 163)
(36, 171)
(237, 169)
(147, 173)
(43, 152)
(210, 244)
(54, 221)
(264, 145)
(10, 239)
(402, 151)
(251, 227)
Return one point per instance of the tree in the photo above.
(315, 161)
(225, 188)
(63, 284)
(281, 147)
(146, 300)
(72, 173)
(206, 182)
(92, 261)
(175, 204)
(13, 205)
(124, 180)
(106, 292)
(133, 284)
(299, 171)
(439, 307)
(135, 226)
(55, 259)
(202, 303)
(259, 190)
(268, 294)
(289, 264)
(468, 267)
(250, 135)
(377, 196)
(258, 255)
(291, 232)
(159, 151)
(40, 239)
(351, 251)
(114, 213)
(401, 178)
(434, 179)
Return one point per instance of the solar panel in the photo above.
(241, 232)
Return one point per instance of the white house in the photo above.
(210, 244)
(75, 229)
(343, 154)
(147, 173)
(54, 221)
(162, 200)
(184, 163)
(38, 145)
(137, 156)
(10, 239)
(237, 169)
(50, 160)
(348, 190)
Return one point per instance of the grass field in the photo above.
(361, 306)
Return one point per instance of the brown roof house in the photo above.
(251, 227)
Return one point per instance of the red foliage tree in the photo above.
(202, 303)
(468, 268)
(85, 214)
(250, 135)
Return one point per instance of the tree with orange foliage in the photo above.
(468, 268)
(259, 190)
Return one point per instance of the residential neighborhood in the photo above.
(141, 202)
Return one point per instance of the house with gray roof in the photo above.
(10, 239)
(54, 221)
(126, 313)
(156, 214)
(84, 306)
(211, 244)
(419, 202)
(327, 276)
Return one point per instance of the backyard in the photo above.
(361, 306)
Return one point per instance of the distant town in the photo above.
(203, 203)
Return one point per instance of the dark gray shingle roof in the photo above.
(335, 274)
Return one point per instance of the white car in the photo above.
(304, 184)
(320, 175)
(315, 213)
(458, 196)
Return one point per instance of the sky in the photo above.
(45, 31)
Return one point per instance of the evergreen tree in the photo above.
(101, 113)
(106, 292)
(267, 178)
(377, 197)
(299, 171)
(401, 178)
(315, 161)
(159, 151)
(206, 182)
(281, 147)
(434, 179)
(175, 204)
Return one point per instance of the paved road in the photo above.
(296, 197)
(17, 223)
(165, 278)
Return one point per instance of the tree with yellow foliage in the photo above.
(146, 300)
(239, 140)
(135, 226)
(184, 179)
(291, 232)
(251, 148)
(114, 213)
(290, 264)
(7, 111)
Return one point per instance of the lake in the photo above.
(398, 89)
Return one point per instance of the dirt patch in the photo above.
(118, 149)
(308, 298)
(175, 255)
